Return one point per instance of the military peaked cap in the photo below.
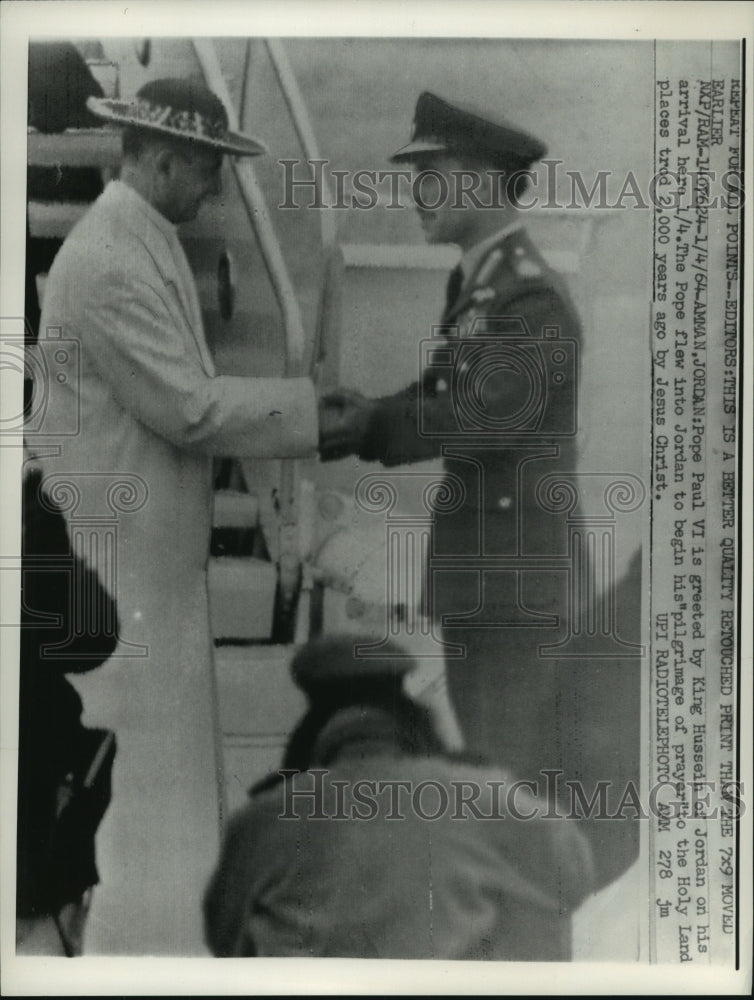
(441, 127)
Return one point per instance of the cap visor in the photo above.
(416, 149)
(119, 113)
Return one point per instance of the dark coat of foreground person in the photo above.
(405, 869)
(68, 626)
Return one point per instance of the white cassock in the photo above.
(131, 398)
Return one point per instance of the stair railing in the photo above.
(289, 543)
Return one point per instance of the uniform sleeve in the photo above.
(137, 348)
(395, 435)
(412, 425)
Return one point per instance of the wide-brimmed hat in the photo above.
(183, 108)
(442, 127)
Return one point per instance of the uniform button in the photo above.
(504, 503)
(441, 385)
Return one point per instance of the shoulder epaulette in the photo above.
(489, 266)
(524, 265)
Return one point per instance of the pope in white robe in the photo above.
(132, 413)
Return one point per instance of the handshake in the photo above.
(344, 420)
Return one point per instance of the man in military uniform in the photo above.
(497, 399)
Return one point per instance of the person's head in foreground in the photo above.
(356, 700)
(376, 844)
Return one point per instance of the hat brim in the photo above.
(233, 142)
(418, 149)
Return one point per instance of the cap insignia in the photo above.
(481, 295)
(525, 267)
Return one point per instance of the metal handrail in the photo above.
(259, 218)
(331, 255)
(289, 559)
(297, 109)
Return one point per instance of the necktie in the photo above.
(453, 288)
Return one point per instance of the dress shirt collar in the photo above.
(130, 198)
(474, 256)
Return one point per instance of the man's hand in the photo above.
(344, 417)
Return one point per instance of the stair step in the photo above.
(54, 219)
(259, 705)
(235, 510)
(241, 597)
(96, 147)
(258, 699)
